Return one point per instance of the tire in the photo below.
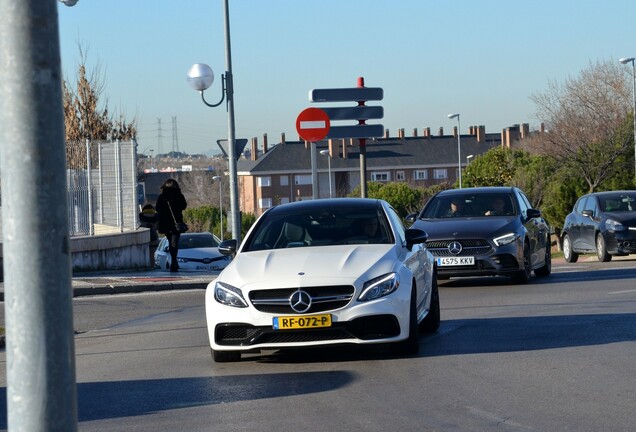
(601, 250)
(568, 253)
(225, 356)
(431, 322)
(411, 345)
(523, 276)
(546, 269)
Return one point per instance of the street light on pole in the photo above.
(459, 146)
(626, 60)
(468, 158)
(326, 153)
(219, 178)
(200, 78)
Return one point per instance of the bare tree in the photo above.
(85, 116)
(587, 121)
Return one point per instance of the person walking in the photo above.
(170, 206)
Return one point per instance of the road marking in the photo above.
(623, 292)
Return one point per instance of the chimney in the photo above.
(402, 135)
(282, 138)
(525, 130)
(344, 148)
(414, 132)
(254, 149)
(330, 146)
(542, 127)
(386, 133)
(264, 143)
(481, 133)
(427, 132)
(441, 131)
(455, 131)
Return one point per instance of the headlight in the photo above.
(229, 295)
(505, 239)
(613, 225)
(379, 287)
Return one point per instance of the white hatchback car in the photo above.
(197, 252)
(323, 272)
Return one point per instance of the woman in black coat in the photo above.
(170, 206)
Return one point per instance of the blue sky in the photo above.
(480, 58)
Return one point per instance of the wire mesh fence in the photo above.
(101, 187)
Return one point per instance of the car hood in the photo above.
(200, 253)
(472, 227)
(308, 266)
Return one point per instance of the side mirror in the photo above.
(588, 213)
(534, 213)
(228, 247)
(415, 236)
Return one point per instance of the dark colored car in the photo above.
(603, 223)
(486, 231)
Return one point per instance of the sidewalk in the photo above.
(113, 282)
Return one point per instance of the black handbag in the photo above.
(179, 227)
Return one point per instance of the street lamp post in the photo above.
(200, 78)
(468, 158)
(219, 178)
(326, 153)
(459, 146)
(626, 60)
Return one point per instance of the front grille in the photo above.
(366, 328)
(470, 247)
(323, 298)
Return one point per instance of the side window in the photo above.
(592, 205)
(524, 205)
(396, 221)
(580, 205)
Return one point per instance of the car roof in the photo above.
(299, 206)
(611, 192)
(477, 190)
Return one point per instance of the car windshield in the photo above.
(320, 227)
(197, 241)
(618, 203)
(469, 205)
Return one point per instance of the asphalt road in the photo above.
(554, 355)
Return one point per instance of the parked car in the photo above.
(197, 251)
(486, 231)
(603, 223)
(323, 272)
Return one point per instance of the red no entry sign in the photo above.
(313, 124)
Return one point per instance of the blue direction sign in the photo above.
(362, 112)
(353, 94)
(356, 131)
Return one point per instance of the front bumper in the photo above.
(489, 260)
(246, 329)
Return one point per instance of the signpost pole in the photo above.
(363, 152)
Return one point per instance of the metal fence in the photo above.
(102, 187)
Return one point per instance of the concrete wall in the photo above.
(113, 251)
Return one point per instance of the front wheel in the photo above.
(568, 253)
(601, 250)
(431, 322)
(546, 269)
(410, 346)
(523, 276)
